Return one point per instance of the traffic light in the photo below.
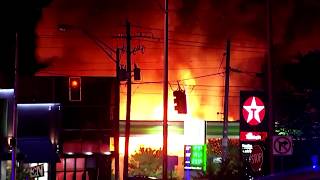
(74, 89)
(123, 75)
(136, 73)
(180, 101)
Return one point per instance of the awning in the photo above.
(37, 150)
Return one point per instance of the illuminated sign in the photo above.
(246, 148)
(253, 110)
(254, 131)
(253, 136)
(195, 157)
(256, 158)
(36, 171)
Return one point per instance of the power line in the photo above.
(178, 69)
(159, 93)
(188, 33)
(72, 67)
(196, 77)
(180, 43)
(197, 85)
(236, 44)
(207, 75)
(171, 82)
(221, 61)
(199, 42)
(204, 46)
(58, 36)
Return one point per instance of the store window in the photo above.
(70, 168)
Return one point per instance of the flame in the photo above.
(175, 143)
(150, 107)
(149, 104)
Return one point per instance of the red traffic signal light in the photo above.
(74, 83)
(180, 101)
(74, 89)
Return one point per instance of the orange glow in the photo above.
(73, 53)
(147, 106)
(175, 143)
(74, 84)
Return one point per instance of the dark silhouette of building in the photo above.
(74, 137)
(19, 17)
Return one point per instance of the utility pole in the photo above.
(127, 131)
(226, 105)
(128, 38)
(13, 141)
(116, 123)
(270, 88)
(165, 96)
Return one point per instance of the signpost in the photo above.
(282, 145)
(254, 132)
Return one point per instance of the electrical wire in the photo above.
(221, 61)
(196, 77)
(205, 46)
(179, 32)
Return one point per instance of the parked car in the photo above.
(141, 177)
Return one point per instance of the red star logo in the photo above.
(253, 110)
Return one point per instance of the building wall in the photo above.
(5, 128)
(90, 119)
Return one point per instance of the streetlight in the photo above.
(109, 52)
(101, 44)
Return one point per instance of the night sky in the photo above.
(198, 32)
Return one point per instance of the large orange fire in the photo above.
(149, 106)
(196, 49)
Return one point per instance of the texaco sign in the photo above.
(253, 110)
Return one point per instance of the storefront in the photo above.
(84, 166)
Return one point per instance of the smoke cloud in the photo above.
(198, 34)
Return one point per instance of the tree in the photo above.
(299, 100)
(147, 162)
(297, 107)
(231, 168)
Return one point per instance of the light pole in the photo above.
(13, 141)
(165, 94)
(108, 51)
(128, 107)
(101, 44)
(226, 105)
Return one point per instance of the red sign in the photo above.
(256, 158)
(253, 110)
(253, 136)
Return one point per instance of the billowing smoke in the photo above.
(198, 33)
